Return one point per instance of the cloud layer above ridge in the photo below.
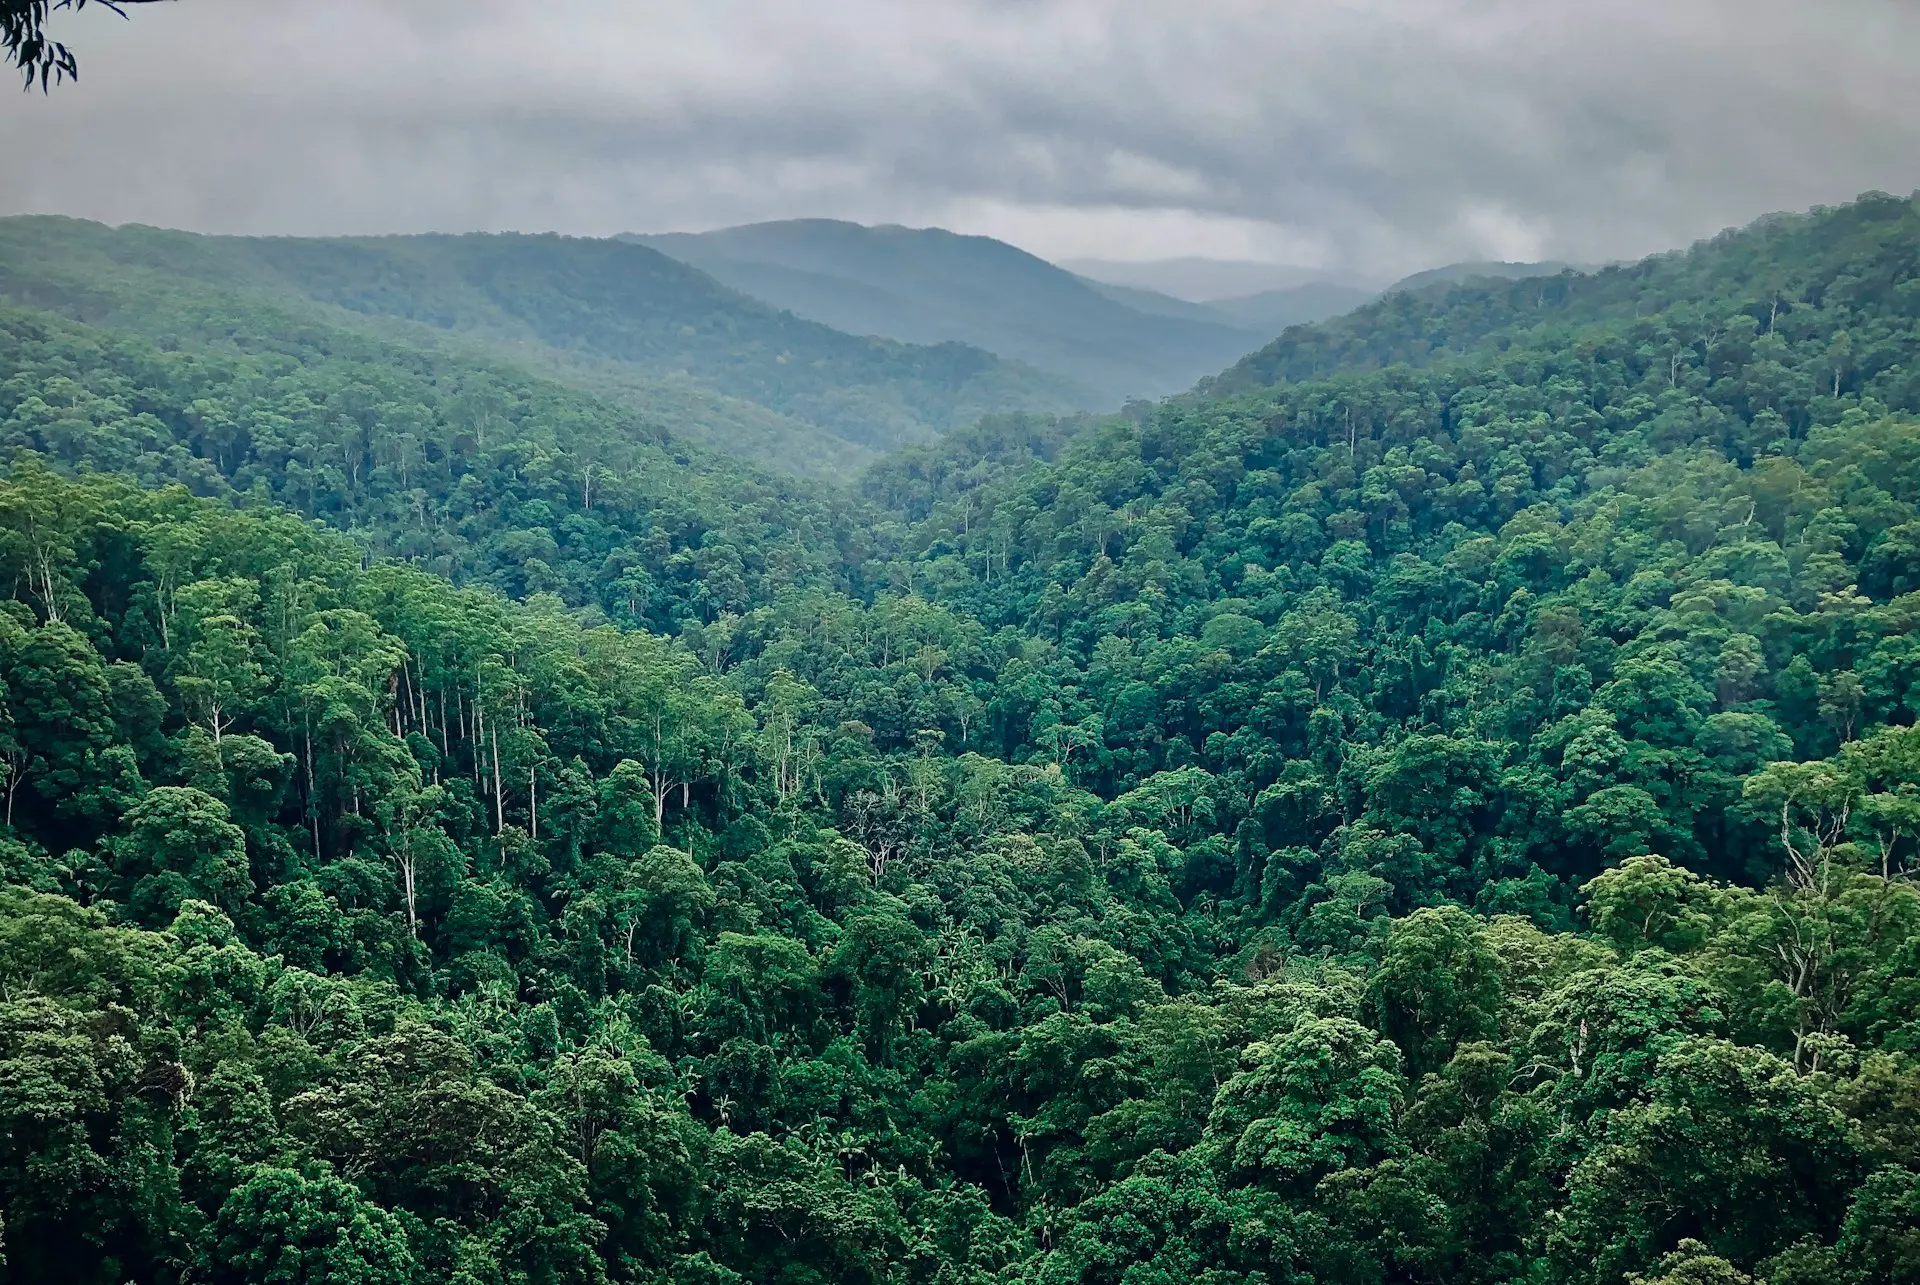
(1368, 137)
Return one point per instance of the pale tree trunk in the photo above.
(499, 795)
(404, 860)
(313, 804)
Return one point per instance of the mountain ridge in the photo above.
(929, 285)
(1200, 279)
(622, 318)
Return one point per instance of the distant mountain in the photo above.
(1200, 280)
(1156, 304)
(926, 285)
(1266, 295)
(1272, 311)
(1266, 313)
(620, 318)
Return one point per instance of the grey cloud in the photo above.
(1372, 136)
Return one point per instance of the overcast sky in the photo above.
(1359, 136)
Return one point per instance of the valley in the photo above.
(851, 756)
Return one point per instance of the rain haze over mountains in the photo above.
(1361, 141)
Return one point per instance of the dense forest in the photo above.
(1438, 804)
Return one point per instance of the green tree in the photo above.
(1438, 987)
(282, 1227)
(882, 957)
(179, 843)
(1732, 1144)
(1324, 1098)
(1647, 901)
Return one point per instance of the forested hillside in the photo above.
(1438, 807)
(477, 472)
(928, 285)
(1828, 295)
(1456, 273)
(1297, 304)
(609, 316)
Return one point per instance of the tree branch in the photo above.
(23, 38)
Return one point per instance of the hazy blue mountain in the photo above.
(1159, 305)
(1272, 311)
(926, 285)
(1202, 280)
(1263, 295)
(1266, 313)
(621, 318)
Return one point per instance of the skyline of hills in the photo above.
(1101, 323)
(808, 346)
